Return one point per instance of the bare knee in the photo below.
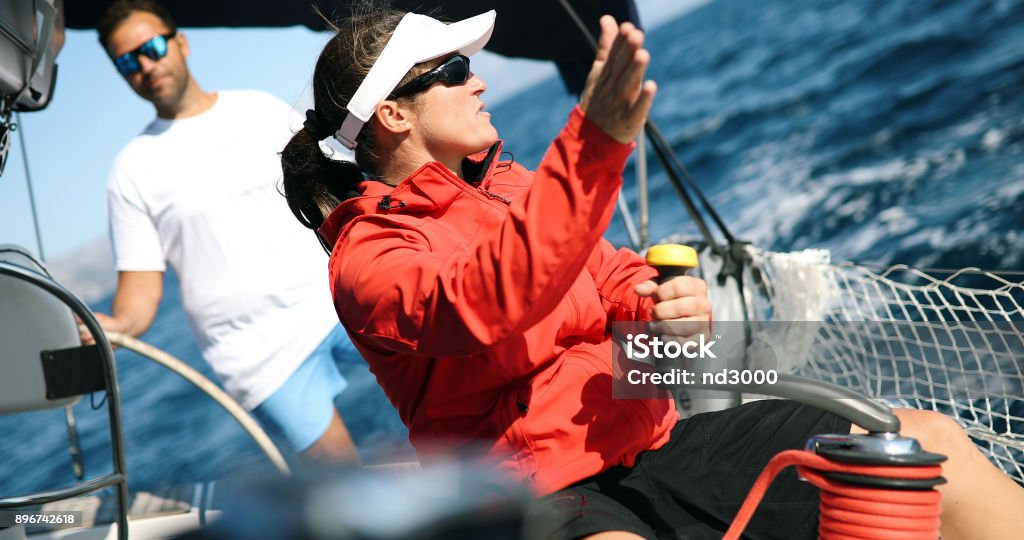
(615, 535)
(334, 446)
(936, 432)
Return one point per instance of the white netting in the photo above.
(946, 341)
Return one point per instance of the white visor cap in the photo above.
(417, 38)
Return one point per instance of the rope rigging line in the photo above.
(17, 126)
(851, 512)
(74, 443)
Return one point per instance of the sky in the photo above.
(93, 113)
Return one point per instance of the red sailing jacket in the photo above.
(484, 309)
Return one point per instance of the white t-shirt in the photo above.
(202, 194)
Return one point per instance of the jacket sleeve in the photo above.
(616, 273)
(400, 296)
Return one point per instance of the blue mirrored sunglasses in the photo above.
(455, 70)
(154, 49)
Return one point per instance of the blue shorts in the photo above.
(301, 409)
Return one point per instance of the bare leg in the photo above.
(614, 535)
(335, 445)
(979, 501)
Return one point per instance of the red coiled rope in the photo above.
(854, 512)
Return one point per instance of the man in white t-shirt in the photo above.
(198, 189)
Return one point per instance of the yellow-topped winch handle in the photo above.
(671, 260)
(672, 255)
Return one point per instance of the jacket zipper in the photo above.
(524, 455)
(385, 203)
(494, 196)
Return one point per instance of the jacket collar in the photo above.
(432, 186)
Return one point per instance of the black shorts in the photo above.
(692, 487)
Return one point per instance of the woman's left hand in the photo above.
(681, 302)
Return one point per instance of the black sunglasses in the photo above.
(154, 49)
(455, 70)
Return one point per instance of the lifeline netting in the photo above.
(947, 341)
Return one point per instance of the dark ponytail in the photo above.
(315, 184)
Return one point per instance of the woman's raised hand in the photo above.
(616, 97)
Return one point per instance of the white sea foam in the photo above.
(972, 127)
(1013, 189)
(897, 220)
(932, 236)
(888, 171)
(949, 162)
(856, 207)
(993, 139)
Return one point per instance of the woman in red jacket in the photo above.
(482, 294)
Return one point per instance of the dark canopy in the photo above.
(538, 29)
